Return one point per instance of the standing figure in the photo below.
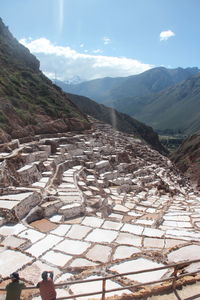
(46, 286)
(14, 288)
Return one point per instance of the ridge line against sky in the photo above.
(91, 39)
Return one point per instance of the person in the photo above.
(46, 286)
(14, 288)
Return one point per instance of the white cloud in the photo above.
(97, 51)
(106, 40)
(67, 63)
(165, 35)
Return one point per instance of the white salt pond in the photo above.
(102, 236)
(99, 253)
(140, 264)
(186, 253)
(95, 286)
(14, 261)
(122, 252)
(56, 258)
(73, 247)
(44, 245)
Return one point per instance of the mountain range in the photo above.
(147, 96)
(31, 104)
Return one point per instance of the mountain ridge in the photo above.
(145, 97)
(108, 90)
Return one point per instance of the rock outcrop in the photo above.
(187, 158)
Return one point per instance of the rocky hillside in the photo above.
(187, 158)
(119, 121)
(175, 109)
(30, 104)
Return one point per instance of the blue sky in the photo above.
(98, 38)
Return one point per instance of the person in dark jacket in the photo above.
(14, 288)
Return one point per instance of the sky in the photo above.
(89, 39)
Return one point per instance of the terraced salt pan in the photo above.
(144, 222)
(135, 229)
(32, 235)
(186, 253)
(139, 264)
(78, 231)
(129, 239)
(73, 247)
(44, 245)
(82, 262)
(176, 218)
(56, 258)
(63, 278)
(120, 208)
(102, 236)
(99, 253)
(151, 210)
(13, 241)
(112, 225)
(134, 214)
(56, 218)
(61, 230)
(122, 252)
(169, 243)
(16, 197)
(183, 234)
(43, 225)
(61, 293)
(95, 286)
(11, 261)
(92, 222)
(116, 216)
(41, 183)
(7, 204)
(12, 229)
(67, 179)
(154, 243)
(66, 185)
(177, 224)
(151, 232)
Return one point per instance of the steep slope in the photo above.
(119, 121)
(97, 89)
(187, 158)
(115, 91)
(29, 102)
(175, 109)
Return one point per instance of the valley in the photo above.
(165, 99)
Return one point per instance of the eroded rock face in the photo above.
(187, 158)
(30, 103)
(104, 202)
